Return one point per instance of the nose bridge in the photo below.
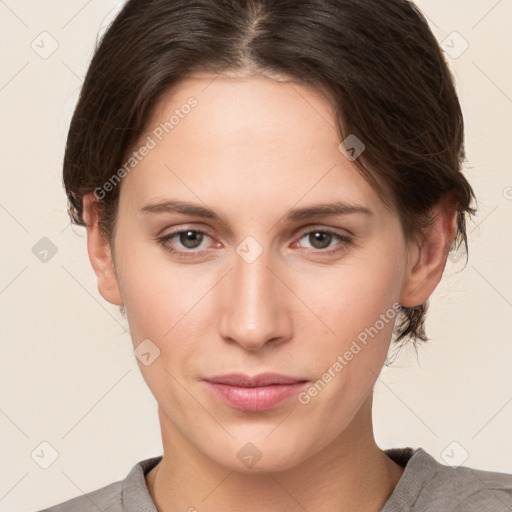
(252, 311)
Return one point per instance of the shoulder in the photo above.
(429, 486)
(107, 497)
(128, 494)
(468, 489)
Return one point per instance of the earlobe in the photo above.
(428, 259)
(100, 253)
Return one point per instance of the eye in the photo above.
(321, 240)
(189, 239)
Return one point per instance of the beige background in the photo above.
(68, 375)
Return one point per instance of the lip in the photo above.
(245, 381)
(258, 393)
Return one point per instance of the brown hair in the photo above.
(377, 62)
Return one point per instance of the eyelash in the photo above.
(191, 253)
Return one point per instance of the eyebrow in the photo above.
(294, 215)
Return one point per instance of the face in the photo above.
(262, 284)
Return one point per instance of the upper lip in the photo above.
(263, 379)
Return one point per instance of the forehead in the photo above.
(245, 141)
(246, 115)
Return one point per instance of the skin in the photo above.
(251, 150)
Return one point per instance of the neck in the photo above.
(350, 473)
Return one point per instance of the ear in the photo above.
(427, 259)
(100, 253)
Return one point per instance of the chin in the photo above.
(260, 455)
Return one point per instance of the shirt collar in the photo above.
(136, 497)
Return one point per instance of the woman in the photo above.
(271, 189)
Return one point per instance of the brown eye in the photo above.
(321, 239)
(183, 241)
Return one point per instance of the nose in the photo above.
(255, 309)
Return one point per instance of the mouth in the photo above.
(258, 393)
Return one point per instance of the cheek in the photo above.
(353, 297)
(360, 309)
(164, 306)
(167, 303)
(157, 305)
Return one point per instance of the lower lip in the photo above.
(257, 398)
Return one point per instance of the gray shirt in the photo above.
(425, 486)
